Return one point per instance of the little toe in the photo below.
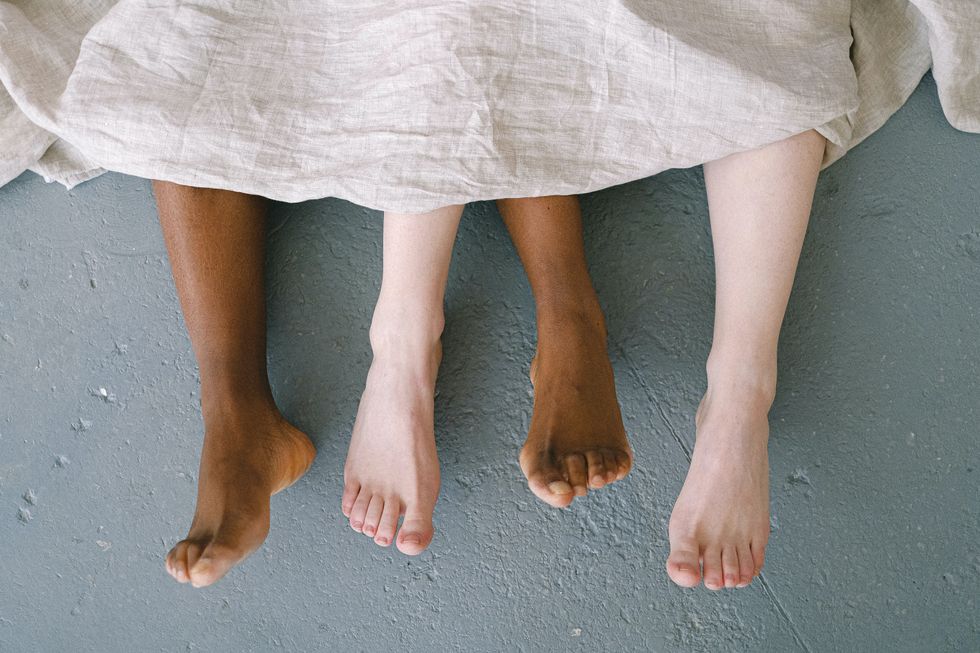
(388, 523)
(746, 566)
(623, 465)
(415, 533)
(597, 469)
(373, 515)
(758, 555)
(577, 478)
(347, 500)
(359, 510)
(177, 562)
(711, 560)
(683, 564)
(729, 567)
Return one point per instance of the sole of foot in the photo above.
(244, 463)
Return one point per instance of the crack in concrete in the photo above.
(767, 588)
(635, 373)
(797, 635)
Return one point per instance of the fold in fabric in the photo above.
(410, 106)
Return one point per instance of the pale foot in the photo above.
(576, 440)
(249, 454)
(392, 469)
(720, 523)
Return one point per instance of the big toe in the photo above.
(684, 566)
(215, 561)
(415, 534)
(548, 483)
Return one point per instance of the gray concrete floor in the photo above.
(874, 447)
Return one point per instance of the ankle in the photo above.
(405, 330)
(746, 379)
(226, 402)
(557, 315)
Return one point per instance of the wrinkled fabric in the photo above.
(411, 106)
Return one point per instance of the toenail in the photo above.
(559, 487)
(412, 539)
(382, 540)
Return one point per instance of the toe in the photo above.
(711, 560)
(388, 523)
(373, 515)
(359, 510)
(191, 556)
(729, 567)
(623, 465)
(347, 500)
(215, 561)
(546, 481)
(683, 564)
(746, 566)
(596, 469)
(576, 467)
(612, 467)
(557, 493)
(177, 562)
(758, 554)
(415, 533)
(189, 553)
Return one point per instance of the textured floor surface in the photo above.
(874, 449)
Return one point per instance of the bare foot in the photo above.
(576, 440)
(392, 469)
(248, 456)
(720, 523)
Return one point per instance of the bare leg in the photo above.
(760, 204)
(392, 470)
(216, 244)
(576, 439)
